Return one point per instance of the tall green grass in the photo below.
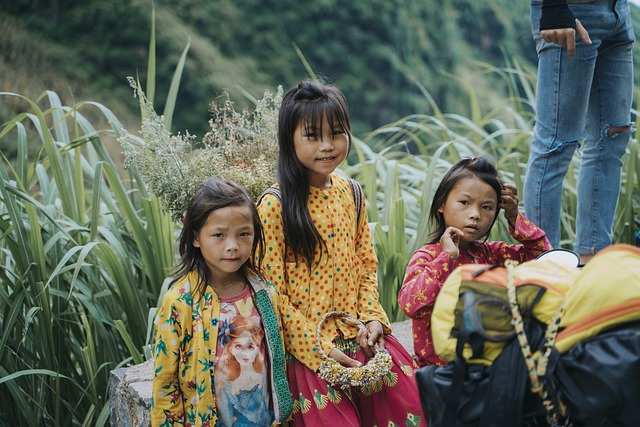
(82, 251)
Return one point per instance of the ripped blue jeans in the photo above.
(578, 101)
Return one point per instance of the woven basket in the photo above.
(341, 376)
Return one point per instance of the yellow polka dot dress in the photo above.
(343, 279)
(344, 275)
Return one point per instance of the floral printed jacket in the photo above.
(185, 354)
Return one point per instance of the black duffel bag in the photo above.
(599, 379)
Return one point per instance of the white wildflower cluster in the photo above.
(241, 146)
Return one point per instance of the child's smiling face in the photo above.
(320, 150)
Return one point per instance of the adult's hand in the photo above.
(566, 37)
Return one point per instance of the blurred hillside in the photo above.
(384, 55)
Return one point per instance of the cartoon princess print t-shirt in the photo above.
(240, 376)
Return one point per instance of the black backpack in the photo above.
(463, 394)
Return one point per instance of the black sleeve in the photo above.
(556, 14)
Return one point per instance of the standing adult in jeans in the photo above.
(584, 95)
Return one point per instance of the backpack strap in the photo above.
(271, 190)
(460, 369)
(358, 197)
(536, 368)
(507, 388)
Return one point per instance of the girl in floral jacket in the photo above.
(218, 300)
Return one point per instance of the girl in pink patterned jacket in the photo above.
(464, 208)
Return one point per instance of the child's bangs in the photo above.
(312, 115)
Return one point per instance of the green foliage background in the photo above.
(84, 247)
(380, 53)
(383, 54)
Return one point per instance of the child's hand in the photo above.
(343, 359)
(509, 202)
(450, 240)
(369, 336)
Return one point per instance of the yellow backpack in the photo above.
(597, 372)
(479, 294)
(537, 340)
(605, 294)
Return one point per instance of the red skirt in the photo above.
(394, 401)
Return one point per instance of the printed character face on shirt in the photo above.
(320, 151)
(471, 206)
(244, 349)
(226, 241)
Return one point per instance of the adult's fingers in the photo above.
(582, 33)
(566, 37)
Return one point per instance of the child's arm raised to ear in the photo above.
(509, 203)
(533, 239)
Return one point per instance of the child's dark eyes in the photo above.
(485, 207)
(313, 135)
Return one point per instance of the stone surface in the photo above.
(402, 331)
(130, 395)
(130, 388)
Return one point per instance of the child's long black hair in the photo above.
(215, 194)
(309, 103)
(480, 167)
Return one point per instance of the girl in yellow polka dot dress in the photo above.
(320, 256)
